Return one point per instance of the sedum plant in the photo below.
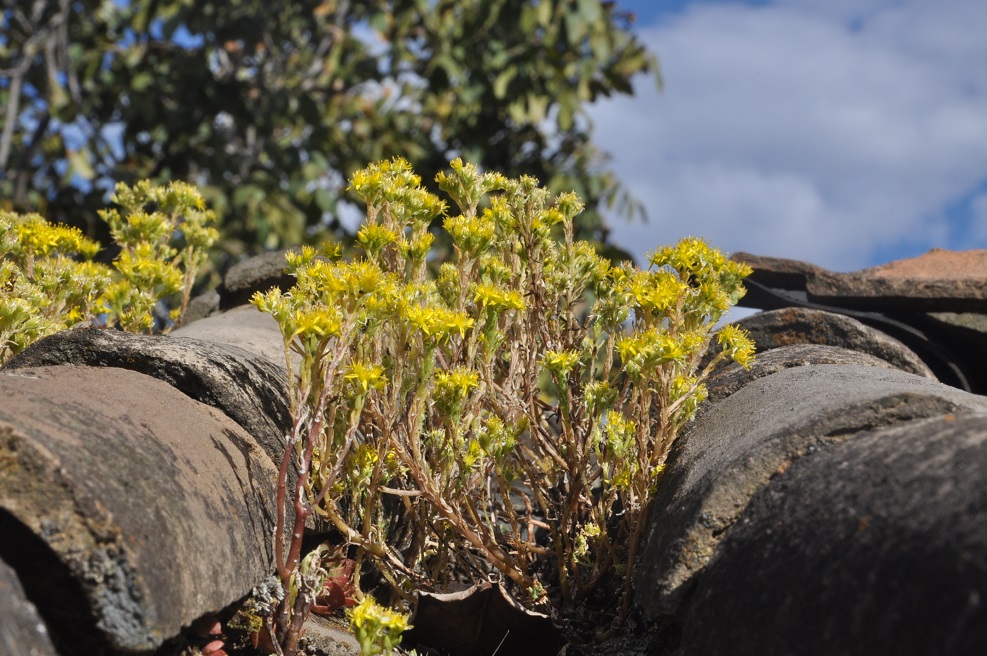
(49, 281)
(507, 412)
(165, 234)
(377, 629)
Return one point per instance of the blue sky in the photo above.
(846, 133)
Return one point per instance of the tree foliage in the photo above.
(269, 106)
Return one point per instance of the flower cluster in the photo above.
(165, 234)
(377, 629)
(48, 281)
(508, 410)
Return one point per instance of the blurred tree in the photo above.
(269, 105)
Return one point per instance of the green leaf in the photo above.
(503, 80)
(325, 200)
(537, 107)
(565, 119)
(599, 42)
(544, 12)
(141, 81)
(79, 164)
(529, 18)
(378, 21)
(58, 98)
(447, 63)
(492, 71)
(590, 11)
(575, 28)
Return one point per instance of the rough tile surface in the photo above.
(159, 507)
(736, 447)
(876, 545)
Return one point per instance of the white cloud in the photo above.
(811, 129)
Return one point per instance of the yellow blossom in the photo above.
(437, 322)
(417, 248)
(373, 238)
(377, 629)
(737, 344)
(471, 234)
(317, 322)
(366, 376)
(561, 362)
(457, 382)
(496, 297)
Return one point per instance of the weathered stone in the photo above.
(778, 271)
(22, 631)
(329, 637)
(158, 507)
(249, 389)
(204, 305)
(804, 326)
(727, 380)
(245, 327)
(972, 320)
(937, 281)
(756, 433)
(255, 274)
(877, 545)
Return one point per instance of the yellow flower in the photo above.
(499, 214)
(642, 351)
(377, 629)
(474, 454)
(295, 260)
(456, 383)
(686, 385)
(436, 321)
(414, 206)
(737, 344)
(143, 269)
(496, 297)
(587, 534)
(598, 395)
(657, 291)
(360, 277)
(179, 195)
(465, 185)
(561, 362)
(452, 388)
(382, 179)
(471, 234)
(569, 204)
(498, 439)
(366, 377)
(551, 216)
(361, 461)
(40, 238)
(317, 322)
(373, 238)
(417, 248)
(338, 282)
(494, 269)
